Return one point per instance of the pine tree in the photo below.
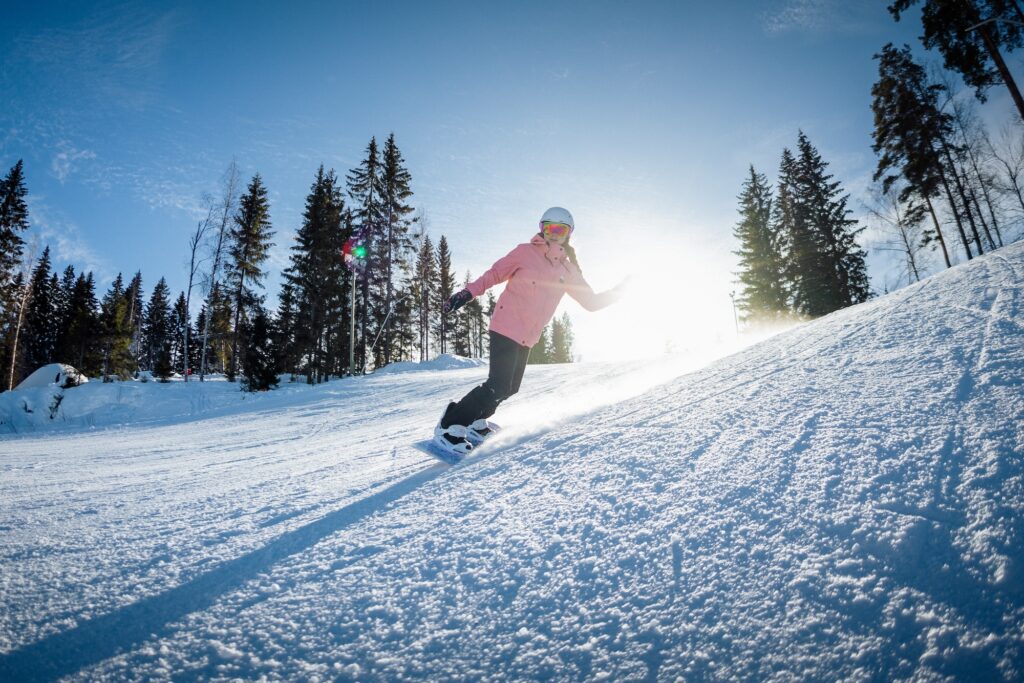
(157, 327)
(64, 295)
(426, 293)
(250, 242)
(541, 352)
(41, 315)
(82, 339)
(365, 188)
(135, 312)
(398, 247)
(201, 351)
(845, 271)
(908, 125)
(13, 222)
(286, 331)
(969, 45)
(220, 329)
(476, 326)
(181, 331)
(824, 267)
(802, 271)
(318, 281)
(259, 365)
(561, 339)
(445, 288)
(763, 295)
(162, 365)
(118, 360)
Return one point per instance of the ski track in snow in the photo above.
(841, 501)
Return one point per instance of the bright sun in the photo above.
(676, 302)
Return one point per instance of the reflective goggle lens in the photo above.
(557, 230)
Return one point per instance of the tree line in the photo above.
(943, 182)
(364, 288)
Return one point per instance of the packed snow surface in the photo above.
(841, 501)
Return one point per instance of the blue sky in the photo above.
(640, 117)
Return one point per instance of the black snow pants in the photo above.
(508, 361)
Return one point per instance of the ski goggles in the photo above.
(555, 231)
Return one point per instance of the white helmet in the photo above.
(557, 214)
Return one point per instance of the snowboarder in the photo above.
(538, 273)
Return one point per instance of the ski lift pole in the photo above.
(383, 326)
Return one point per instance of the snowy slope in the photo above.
(842, 501)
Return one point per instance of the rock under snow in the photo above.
(54, 374)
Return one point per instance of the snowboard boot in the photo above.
(480, 430)
(452, 439)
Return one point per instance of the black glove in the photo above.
(457, 301)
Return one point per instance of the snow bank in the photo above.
(40, 404)
(445, 361)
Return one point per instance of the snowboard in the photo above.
(430, 448)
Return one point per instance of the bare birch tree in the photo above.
(222, 208)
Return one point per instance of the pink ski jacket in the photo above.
(538, 274)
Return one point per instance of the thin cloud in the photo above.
(63, 163)
(67, 246)
(110, 59)
(821, 16)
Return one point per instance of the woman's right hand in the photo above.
(457, 300)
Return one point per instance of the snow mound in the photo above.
(844, 501)
(445, 361)
(54, 374)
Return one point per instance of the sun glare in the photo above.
(672, 305)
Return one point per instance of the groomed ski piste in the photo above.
(842, 501)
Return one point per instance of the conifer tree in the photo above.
(41, 315)
(118, 360)
(82, 336)
(803, 271)
(365, 188)
(220, 329)
(460, 329)
(259, 366)
(13, 222)
(157, 327)
(286, 331)
(476, 326)
(763, 294)
(397, 248)
(908, 123)
(445, 288)
(845, 274)
(202, 351)
(971, 35)
(64, 295)
(426, 294)
(317, 281)
(540, 354)
(135, 312)
(561, 339)
(250, 242)
(181, 329)
(911, 137)
(162, 365)
(402, 321)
